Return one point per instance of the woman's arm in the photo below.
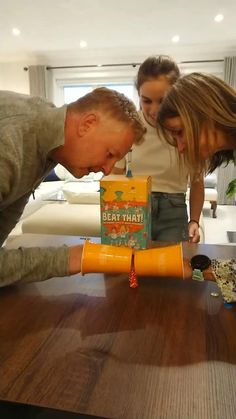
(196, 200)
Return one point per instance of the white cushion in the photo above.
(82, 192)
(71, 219)
(66, 219)
(46, 189)
(211, 194)
(82, 197)
(43, 192)
(210, 181)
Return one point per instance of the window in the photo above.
(74, 92)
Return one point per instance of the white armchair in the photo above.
(211, 194)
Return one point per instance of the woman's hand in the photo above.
(193, 232)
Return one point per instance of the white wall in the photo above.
(13, 77)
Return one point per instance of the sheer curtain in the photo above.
(226, 174)
(38, 81)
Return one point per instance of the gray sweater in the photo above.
(29, 129)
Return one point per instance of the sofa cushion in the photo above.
(82, 192)
(71, 219)
(210, 181)
(81, 197)
(66, 219)
(45, 191)
(211, 194)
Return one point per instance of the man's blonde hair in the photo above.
(113, 104)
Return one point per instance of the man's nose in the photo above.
(107, 168)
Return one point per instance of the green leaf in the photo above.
(231, 190)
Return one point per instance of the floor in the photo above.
(216, 228)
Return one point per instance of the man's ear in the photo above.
(87, 121)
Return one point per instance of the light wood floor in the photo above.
(216, 228)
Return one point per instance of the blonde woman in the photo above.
(199, 112)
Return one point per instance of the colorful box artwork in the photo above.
(126, 211)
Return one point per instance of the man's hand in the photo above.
(75, 259)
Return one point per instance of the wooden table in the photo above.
(92, 345)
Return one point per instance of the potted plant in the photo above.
(231, 189)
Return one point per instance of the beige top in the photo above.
(156, 158)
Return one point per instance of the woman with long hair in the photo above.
(154, 157)
(199, 112)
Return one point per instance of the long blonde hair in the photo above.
(200, 99)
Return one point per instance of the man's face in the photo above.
(101, 145)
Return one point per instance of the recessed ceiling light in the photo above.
(16, 31)
(83, 44)
(175, 38)
(219, 17)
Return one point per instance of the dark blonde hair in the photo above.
(156, 66)
(114, 105)
(200, 99)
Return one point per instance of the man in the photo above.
(91, 134)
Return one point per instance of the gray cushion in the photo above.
(210, 181)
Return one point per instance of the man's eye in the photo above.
(110, 155)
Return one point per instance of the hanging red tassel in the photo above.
(133, 281)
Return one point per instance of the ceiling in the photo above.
(117, 30)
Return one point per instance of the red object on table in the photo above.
(133, 281)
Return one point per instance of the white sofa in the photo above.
(48, 210)
(74, 210)
(78, 215)
(41, 196)
(65, 219)
(44, 192)
(67, 207)
(211, 194)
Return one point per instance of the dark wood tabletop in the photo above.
(92, 345)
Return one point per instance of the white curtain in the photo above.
(226, 174)
(38, 81)
(230, 71)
